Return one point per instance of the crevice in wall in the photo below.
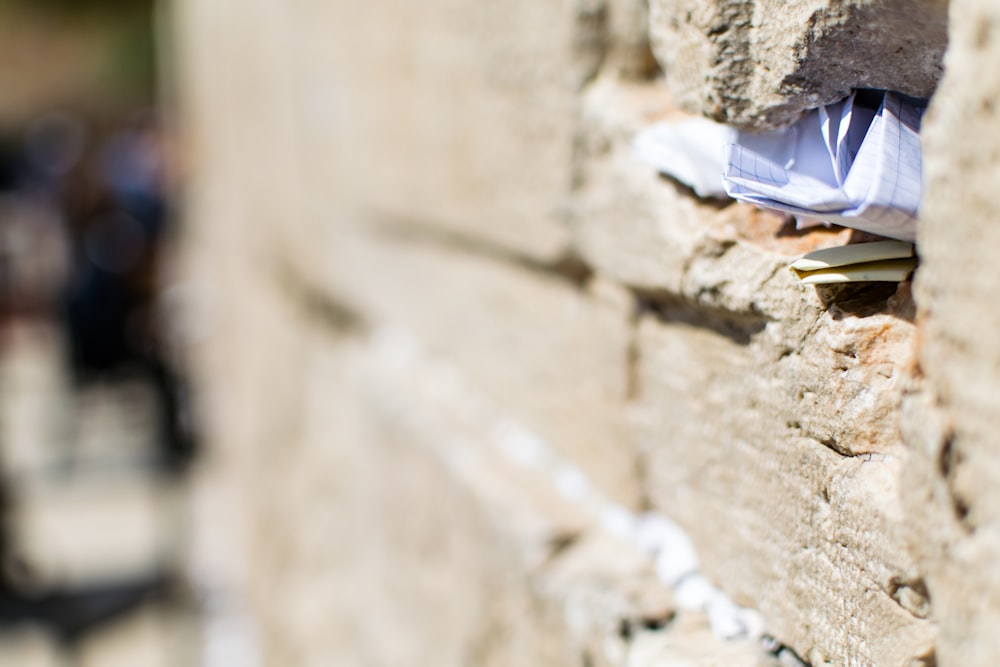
(633, 361)
(867, 299)
(558, 544)
(633, 392)
(318, 305)
(568, 267)
(591, 38)
(911, 595)
(833, 443)
(669, 307)
(785, 654)
(950, 458)
(632, 625)
(706, 202)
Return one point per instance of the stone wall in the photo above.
(471, 366)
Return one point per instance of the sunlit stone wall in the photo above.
(483, 382)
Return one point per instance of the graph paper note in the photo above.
(856, 163)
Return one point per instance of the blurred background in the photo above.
(96, 433)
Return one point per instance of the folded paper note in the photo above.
(889, 261)
(690, 151)
(855, 163)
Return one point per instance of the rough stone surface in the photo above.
(431, 261)
(759, 63)
(781, 519)
(789, 446)
(951, 414)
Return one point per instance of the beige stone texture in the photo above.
(478, 99)
(400, 563)
(766, 414)
(951, 415)
(420, 522)
(813, 538)
(484, 312)
(420, 229)
(446, 272)
(759, 63)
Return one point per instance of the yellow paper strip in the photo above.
(860, 253)
(894, 270)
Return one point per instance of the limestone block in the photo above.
(951, 412)
(453, 113)
(759, 63)
(744, 439)
(550, 351)
(690, 643)
(391, 557)
(844, 378)
(627, 618)
(724, 265)
(407, 513)
(239, 110)
(627, 222)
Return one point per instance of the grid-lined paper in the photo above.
(850, 167)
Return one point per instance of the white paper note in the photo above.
(855, 163)
(691, 151)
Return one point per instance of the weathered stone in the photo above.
(758, 64)
(484, 100)
(455, 114)
(951, 416)
(415, 168)
(723, 266)
(251, 168)
(745, 434)
(413, 508)
(418, 563)
(483, 311)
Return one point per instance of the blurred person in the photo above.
(117, 218)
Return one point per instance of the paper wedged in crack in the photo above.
(853, 163)
(860, 253)
(893, 271)
(691, 151)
